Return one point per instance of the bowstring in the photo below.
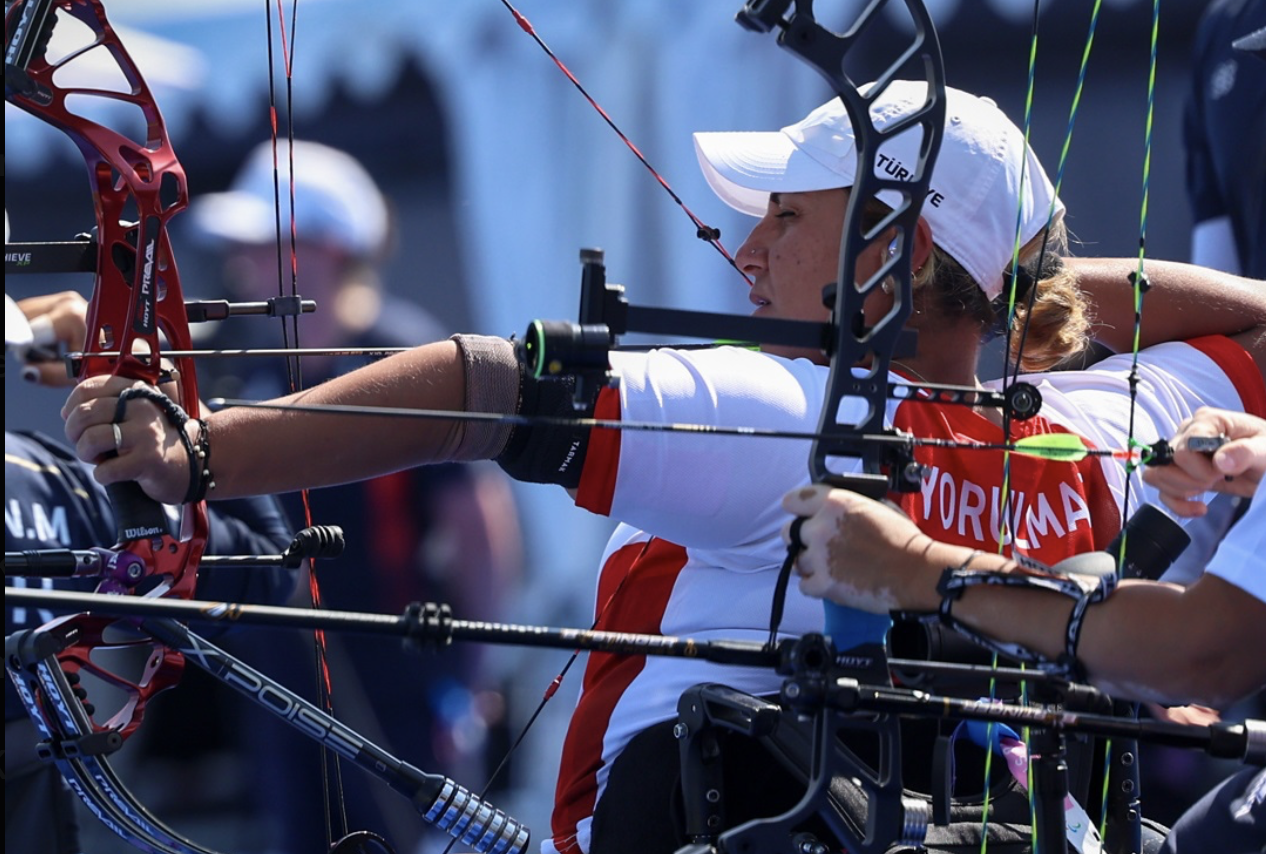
(1011, 373)
(1139, 282)
(703, 231)
(334, 802)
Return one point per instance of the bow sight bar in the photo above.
(559, 348)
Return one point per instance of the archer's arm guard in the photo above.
(1084, 590)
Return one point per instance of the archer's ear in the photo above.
(922, 245)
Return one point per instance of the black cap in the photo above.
(1254, 42)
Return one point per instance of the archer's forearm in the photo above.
(1184, 301)
(1031, 617)
(1160, 642)
(1147, 641)
(259, 451)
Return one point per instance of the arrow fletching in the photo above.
(1063, 447)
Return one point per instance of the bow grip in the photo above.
(136, 515)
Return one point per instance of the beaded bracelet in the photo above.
(206, 480)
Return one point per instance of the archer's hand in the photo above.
(145, 448)
(56, 319)
(1191, 715)
(1235, 468)
(860, 553)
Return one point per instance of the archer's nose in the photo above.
(753, 256)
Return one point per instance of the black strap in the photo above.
(794, 547)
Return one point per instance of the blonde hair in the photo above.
(1054, 328)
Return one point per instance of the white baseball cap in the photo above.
(336, 200)
(975, 191)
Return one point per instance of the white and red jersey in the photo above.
(699, 547)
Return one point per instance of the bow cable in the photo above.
(335, 807)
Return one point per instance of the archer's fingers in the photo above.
(138, 450)
(1241, 431)
(1234, 469)
(805, 501)
(84, 411)
(117, 461)
(99, 442)
(1185, 505)
(47, 372)
(57, 318)
(816, 584)
(1209, 421)
(1181, 492)
(1242, 457)
(83, 416)
(1177, 481)
(93, 388)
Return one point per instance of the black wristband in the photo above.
(1083, 590)
(199, 456)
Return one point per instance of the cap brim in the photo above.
(234, 217)
(743, 168)
(17, 330)
(1254, 42)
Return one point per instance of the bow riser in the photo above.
(136, 307)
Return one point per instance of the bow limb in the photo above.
(884, 467)
(856, 403)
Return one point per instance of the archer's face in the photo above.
(791, 254)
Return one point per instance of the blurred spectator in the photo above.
(1224, 130)
(441, 534)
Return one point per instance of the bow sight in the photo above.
(560, 348)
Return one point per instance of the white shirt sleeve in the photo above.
(706, 490)
(1241, 558)
(1174, 381)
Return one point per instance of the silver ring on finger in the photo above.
(118, 437)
